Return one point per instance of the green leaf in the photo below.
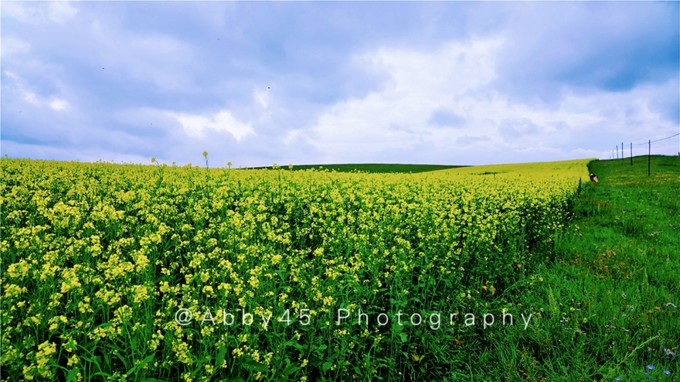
(294, 344)
(404, 337)
(255, 366)
(290, 369)
(135, 368)
(72, 375)
(220, 357)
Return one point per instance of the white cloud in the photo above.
(29, 95)
(196, 125)
(17, 11)
(384, 91)
(403, 118)
(38, 12)
(398, 115)
(59, 104)
(12, 46)
(293, 136)
(61, 11)
(262, 98)
(11, 75)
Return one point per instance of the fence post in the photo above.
(631, 153)
(649, 158)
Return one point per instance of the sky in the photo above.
(258, 83)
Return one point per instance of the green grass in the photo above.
(371, 167)
(607, 302)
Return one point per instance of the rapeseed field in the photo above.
(131, 272)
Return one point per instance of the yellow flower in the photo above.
(140, 293)
(73, 361)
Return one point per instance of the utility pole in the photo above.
(631, 153)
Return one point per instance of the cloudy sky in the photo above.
(339, 82)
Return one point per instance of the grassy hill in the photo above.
(608, 302)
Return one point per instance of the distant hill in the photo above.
(370, 167)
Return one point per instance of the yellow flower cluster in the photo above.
(99, 257)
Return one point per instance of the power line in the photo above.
(649, 151)
(663, 139)
(657, 140)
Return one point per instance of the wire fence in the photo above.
(615, 154)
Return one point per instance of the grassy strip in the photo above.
(607, 304)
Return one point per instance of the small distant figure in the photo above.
(593, 177)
